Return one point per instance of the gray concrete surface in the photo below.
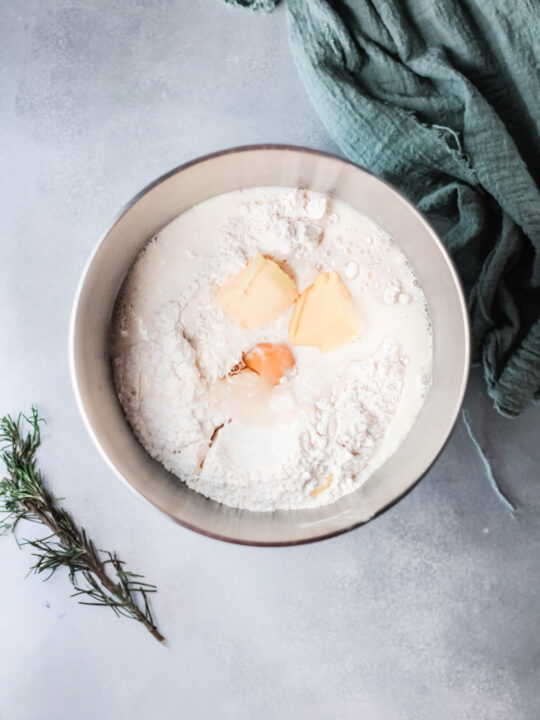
(430, 612)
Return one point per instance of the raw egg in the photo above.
(270, 361)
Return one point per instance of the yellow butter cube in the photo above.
(324, 315)
(257, 294)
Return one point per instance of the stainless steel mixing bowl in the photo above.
(156, 206)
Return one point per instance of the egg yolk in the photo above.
(322, 487)
(270, 361)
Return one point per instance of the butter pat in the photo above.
(324, 315)
(257, 294)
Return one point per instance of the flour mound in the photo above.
(338, 415)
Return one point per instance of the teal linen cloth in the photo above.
(442, 99)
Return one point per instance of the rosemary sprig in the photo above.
(97, 576)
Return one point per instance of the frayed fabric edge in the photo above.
(256, 5)
(508, 504)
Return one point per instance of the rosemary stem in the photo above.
(24, 496)
(93, 565)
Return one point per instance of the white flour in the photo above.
(338, 416)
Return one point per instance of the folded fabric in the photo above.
(441, 99)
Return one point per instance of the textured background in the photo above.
(431, 611)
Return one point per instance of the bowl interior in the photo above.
(158, 205)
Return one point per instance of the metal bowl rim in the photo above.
(180, 168)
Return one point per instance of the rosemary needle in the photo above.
(98, 577)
